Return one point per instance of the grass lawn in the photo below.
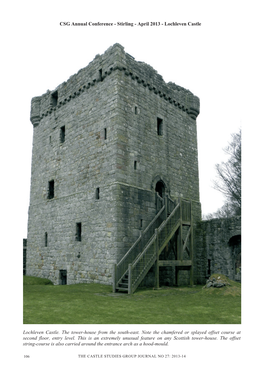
(97, 304)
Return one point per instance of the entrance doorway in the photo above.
(63, 277)
(160, 188)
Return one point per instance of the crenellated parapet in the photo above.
(114, 58)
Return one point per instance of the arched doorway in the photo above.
(160, 188)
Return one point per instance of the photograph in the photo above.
(123, 178)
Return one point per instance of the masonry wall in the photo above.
(173, 155)
(219, 242)
(96, 138)
(80, 165)
(145, 156)
(24, 256)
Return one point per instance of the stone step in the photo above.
(122, 289)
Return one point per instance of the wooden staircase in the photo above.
(145, 252)
(123, 283)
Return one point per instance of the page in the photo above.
(211, 49)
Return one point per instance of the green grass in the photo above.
(97, 304)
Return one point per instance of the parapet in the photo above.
(114, 58)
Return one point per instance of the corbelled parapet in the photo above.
(35, 110)
(114, 58)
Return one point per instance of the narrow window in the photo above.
(50, 139)
(141, 223)
(136, 110)
(97, 193)
(54, 98)
(51, 189)
(62, 134)
(46, 239)
(135, 165)
(78, 235)
(100, 74)
(105, 133)
(159, 126)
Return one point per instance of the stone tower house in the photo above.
(109, 146)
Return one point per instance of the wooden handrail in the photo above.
(122, 266)
(140, 237)
(134, 280)
(139, 258)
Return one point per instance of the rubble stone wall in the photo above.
(102, 140)
(219, 242)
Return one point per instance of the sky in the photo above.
(220, 61)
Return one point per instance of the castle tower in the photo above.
(105, 142)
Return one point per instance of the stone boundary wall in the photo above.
(219, 242)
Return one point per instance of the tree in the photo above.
(223, 212)
(228, 180)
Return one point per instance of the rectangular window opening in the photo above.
(135, 165)
(54, 98)
(159, 126)
(62, 134)
(136, 110)
(97, 193)
(78, 235)
(100, 74)
(105, 133)
(51, 189)
(46, 239)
